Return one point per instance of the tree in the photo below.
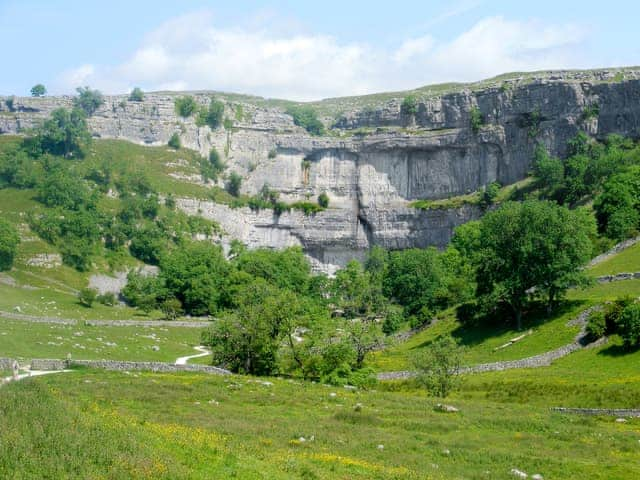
(415, 279)
(438, 366)
(88, 100)
(9, 240)
(196, 274)
(247, 340)
(185, 106)
(87, 296)
(549, 171)
(38, 90)
(629, 325)
(233, 184)
(533, 246)
(136, 95)
(64, 133)
(409, 105)
(354, 292)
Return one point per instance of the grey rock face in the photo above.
(375, 160)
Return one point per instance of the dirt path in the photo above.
(203, 353)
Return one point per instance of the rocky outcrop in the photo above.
(375, 158)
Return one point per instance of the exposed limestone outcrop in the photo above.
(375, 158)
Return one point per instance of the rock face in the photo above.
(375, 158)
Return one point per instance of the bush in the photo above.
(9, 240)
(309, 208)
(273, 153)
(9, 102)
(185, 106)
(108, 299)
(136, 95)
(549, 171)
(87, 296)
(234, 183)
(596, 325)
(476, 120)
(323, 200)
(88, 100)
(392, 322)
(438, 366)
(38, 90)
(171, 308)
(174, 141)
(306, 117)
(489, 194)
(629, 325)
(409, 105)
(211, 116)
(64, 133)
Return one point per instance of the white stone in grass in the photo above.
(332, 394)
(155, 348)
(380, 447)
(518, 473)
(537, 476)
(302, 439)
(621, 420)
(446, 451)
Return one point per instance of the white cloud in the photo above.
(191, 52)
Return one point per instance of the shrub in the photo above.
(596, 325)
(490, 194)
(227, 123)
(136, 95)
(629, 325)
(185, 106)
(308, 208)
(170, 202)
(613, 313)
(476, 120)
(273, 153)
(392, 322)
(549, 171)
(590, 111)
(211, 116)
(64, 133)
(438, 366)
(108, 299)
(306, 117)
(409, 105)
(9, 102)
(323, 200)
(38, 90)
(234, 182)
(87, 296)
(174, 141)
(171, 308)
(88, 100)
(9, 240)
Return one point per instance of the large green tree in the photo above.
(64, 133)
(531, 248)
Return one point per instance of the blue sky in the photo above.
(302, 50)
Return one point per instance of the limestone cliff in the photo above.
(375, 158)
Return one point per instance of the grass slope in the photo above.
(88, 423)
(25, 340)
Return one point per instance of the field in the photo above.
(24, 340)
(195, 426)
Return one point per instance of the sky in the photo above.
(302, 50)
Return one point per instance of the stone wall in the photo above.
(121, 365)
(147, 323)
(615, 412)
(6, 363)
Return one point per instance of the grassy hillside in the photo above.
(194, 426)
